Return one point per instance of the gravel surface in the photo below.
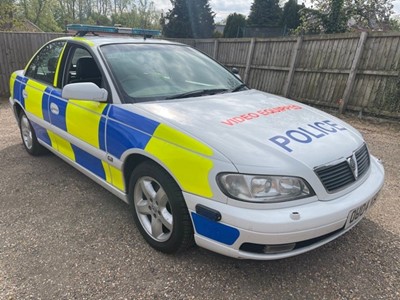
(64, 237)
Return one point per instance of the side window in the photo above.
(82, 67)
(43, 66)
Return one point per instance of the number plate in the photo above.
(358, 213)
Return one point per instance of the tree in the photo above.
(189, 19)
(235, 24)
(41, 13)
(370, 14)
(265, 13)
(8, 17)
(335, 16)
(394, 24)
(335, 21)
(290, 14)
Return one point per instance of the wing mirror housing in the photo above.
(235, 71)
(84, 91)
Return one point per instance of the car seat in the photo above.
(87, 71)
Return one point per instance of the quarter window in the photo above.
(43, 66)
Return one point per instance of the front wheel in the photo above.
(159, 209)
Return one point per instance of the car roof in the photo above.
(95, 41)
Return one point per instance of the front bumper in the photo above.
(316, 223)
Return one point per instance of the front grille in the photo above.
(363, 162)
(335, 177)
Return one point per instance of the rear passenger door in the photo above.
(40, 82)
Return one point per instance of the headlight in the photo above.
(264, 189)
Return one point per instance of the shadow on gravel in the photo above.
(62, 236)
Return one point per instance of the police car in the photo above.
(199, 157)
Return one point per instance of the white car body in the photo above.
(245, 147)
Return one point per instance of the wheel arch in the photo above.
(17, 108)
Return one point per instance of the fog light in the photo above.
(281, 248)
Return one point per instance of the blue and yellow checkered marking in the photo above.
(115, 130)
(185, 157)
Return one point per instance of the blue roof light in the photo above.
(139, 31)
(91, 28)
(82, 29)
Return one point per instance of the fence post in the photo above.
(353, 72)
(216, 45)
(292, 67)
(249, 58)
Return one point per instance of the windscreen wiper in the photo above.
(198, 93)
(238, 88)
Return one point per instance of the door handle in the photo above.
(24, 94)
(54, 108)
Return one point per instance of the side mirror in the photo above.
(84, 91)
(235, 71)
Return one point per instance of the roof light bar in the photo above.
(82, 29)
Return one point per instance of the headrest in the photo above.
(86, 68)
(52, 64)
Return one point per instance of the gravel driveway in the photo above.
(64, 237)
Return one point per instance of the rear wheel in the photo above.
(28, 136)
(159, 209)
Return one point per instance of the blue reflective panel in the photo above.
(214, 230)
(45, 104)
(41, 133)
(58, 120)
(19, 85)
(133, 120)
(121, 138)
(89, 162)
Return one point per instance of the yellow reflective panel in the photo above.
(12, 82)
(114, 176)
(190, 169)
(83, 120)
(107, 171)
(33, 101)
(176, 137)
(58, 65)
(82, 39)
(53, 139)
(117, 178)
(64, 147)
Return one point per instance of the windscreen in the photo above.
(148, 72)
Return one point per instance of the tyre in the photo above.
(28, 136)
(159, 209)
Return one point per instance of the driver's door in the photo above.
(79, 125)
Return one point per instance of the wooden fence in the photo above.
(16, 48)
(357, 71)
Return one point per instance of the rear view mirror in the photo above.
(84, 91)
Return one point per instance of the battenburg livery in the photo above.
(199, 157)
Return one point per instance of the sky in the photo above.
(223, 8)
